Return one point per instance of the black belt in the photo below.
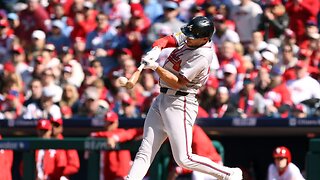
(178, 93)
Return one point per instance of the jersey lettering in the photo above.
(175, 60)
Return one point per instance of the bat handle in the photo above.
(140, 68)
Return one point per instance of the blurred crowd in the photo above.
(62, 58)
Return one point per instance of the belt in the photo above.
(177, 93)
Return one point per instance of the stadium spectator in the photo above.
(70, 99)
(6, 162)
(268, 59)
(11, 81)
(98, 68)
(223, 33)
(247, 17)
(279, 97)
(50, 163)
(103, 36)
(201, 145)
(117, 10)
(136, 31)
(76, 72)
(222, 106)
(208, 94)
(65, 6)
(299, 12)
(246, 100)
(15, 24)
(102, 90)
(263, 81)
(80, 27)
(90, 14)
(254, 48)
(21, 66)
(287, 62)
(59, 14)
(57, 37)
(80, 55)
(46, 108)
(152, 9)
(6, 38)
(115, 165)
(48, 80)
(227, 55)
(72, 157)
(38, 41)
(103, 39)
(128, 108)
(274, 21)
(35, 17)
(90, 76)
(11, 106)
(290, 39)
(282, 167)
(311, 34)
(230, 79)
(303, 87)
(169, 19)
(92, 106)
(34, 92)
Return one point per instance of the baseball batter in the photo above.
(174, 111)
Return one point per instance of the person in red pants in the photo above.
(73, 162)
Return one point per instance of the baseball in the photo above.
(122, 81)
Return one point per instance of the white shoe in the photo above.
(236, 174)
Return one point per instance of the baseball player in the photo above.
(283, 168)
(173, 112)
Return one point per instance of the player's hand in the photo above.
(153, 54)
(111, 142)
(150, 64)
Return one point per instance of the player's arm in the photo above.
(175, 82)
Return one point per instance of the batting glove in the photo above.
(153, 54)
(150, 64)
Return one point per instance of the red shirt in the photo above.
(6, 160)
(116, 164)
(202, 145)
(300, 14)
(33, 20)
(73, 162)
(52, 163)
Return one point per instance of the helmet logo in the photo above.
(206, 23)
(190, 27)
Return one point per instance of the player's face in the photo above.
(280, 162)
(196, 42)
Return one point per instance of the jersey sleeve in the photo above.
(165, 42)
(180, 38)
(73, 162)
(193, 67)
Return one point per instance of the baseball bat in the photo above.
(135, 77)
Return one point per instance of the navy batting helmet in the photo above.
(199, 27)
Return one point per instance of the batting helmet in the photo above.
(199, 27)
(282, 152)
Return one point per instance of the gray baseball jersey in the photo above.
(194, 64)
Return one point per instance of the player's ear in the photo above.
(206, 39)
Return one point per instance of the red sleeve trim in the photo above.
(165, 42)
